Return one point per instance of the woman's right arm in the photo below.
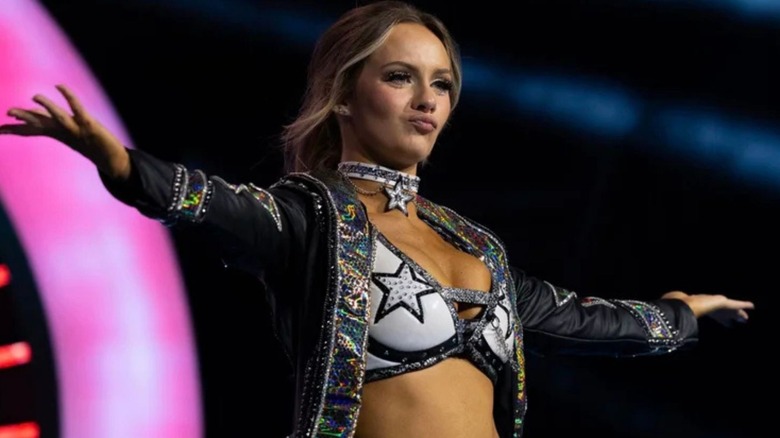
(254, 227)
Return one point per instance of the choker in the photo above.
(397, 186)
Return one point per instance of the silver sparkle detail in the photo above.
(380, 174)
(401, 289)
(398, 198)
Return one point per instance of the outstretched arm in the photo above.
(79, 130)
(252, 226)
(558, 321)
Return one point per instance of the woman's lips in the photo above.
(423, 125)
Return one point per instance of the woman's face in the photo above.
(401, 101)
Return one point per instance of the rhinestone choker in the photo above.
(397, 186)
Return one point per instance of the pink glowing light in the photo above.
(21, 430)
(109, 279)
(12, 355)
(5, 273)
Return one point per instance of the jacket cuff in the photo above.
(669, 324)
(157, 188)
(682, 319)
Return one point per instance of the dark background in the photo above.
(621, 206)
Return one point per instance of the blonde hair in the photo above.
(312, 141)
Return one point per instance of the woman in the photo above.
(400, 317)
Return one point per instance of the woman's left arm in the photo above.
(558, 321)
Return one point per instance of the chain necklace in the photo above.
(399, 187)
(363, 191)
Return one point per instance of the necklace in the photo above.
(397, 186)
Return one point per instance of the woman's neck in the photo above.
(380, 188)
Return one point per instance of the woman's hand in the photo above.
(719, 307)
(79, 131)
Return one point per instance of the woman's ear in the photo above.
(341, 110)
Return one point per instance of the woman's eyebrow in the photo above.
(438, 71)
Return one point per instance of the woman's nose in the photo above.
(426, 101)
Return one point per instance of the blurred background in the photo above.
(621, 149)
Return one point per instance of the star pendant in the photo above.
(398, 198)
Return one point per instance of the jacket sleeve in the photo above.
(255, 229)
(557, 321)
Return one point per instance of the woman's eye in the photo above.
(398, 77)
(443, 85)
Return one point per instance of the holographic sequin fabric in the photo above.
(190, 196)
(520, 402)
(355, 258)
(658, 328)
(344, 368)
(196, 192)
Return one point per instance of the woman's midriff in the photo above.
(451, 399)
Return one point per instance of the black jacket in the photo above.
(307, 238)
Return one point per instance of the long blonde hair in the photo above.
(312, 141)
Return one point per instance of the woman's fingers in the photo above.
(51, 119)
(35, 116)
(40, 112)
(23, 116)
(741, 308)
(728, 315)
(35, 122)
(64, 119)
(736, 304)
(79, 112)
(736, 309)
(22, 129)
(723, 317)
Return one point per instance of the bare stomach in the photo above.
(451, 399)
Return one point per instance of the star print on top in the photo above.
(415, 322)
(402, 289)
